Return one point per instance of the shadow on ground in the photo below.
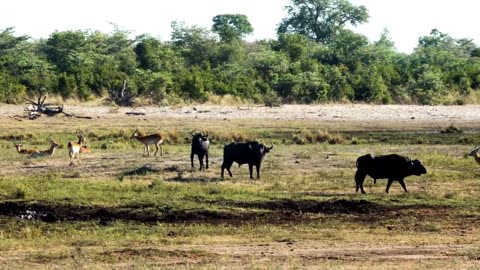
(234, 212)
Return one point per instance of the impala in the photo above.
(85, 149)
(21, 151)
(155, 139)
(74, 148)
(49, 152)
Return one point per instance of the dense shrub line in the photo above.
(196, 63)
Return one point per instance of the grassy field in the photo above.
(117, 209)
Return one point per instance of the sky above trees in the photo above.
(406, 20)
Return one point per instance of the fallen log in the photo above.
(135, 113)
(77, 116)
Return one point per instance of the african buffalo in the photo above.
(200, 145)
(394, 167)
(251, 153)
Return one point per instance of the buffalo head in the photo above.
(199, 136)
(417, 167)
(260, 149)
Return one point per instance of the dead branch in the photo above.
(135, 113)
(34, 109)
(122, 97)
(77, 116)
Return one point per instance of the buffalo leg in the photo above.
(227, 165)
(389, 183)
(206, 159)
(258, 171)
(359, 179)
(250, 169)
(191, 159)
(200, 160)
(403, 185)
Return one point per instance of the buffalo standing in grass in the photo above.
(250, 153)
(393, 167)
(200, 146)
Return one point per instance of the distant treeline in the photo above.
(311, 61)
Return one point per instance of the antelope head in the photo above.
(80, 136)
(52, 142)
(474, 151)
(474, 154)
(135, 134)
(18, 146)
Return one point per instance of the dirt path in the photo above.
(311, 250)
(315, 255)
(335, 112)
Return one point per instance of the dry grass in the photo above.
(321, 136)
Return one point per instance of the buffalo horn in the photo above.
(271, 147)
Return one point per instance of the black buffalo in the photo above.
(394, 167)
(250, 153)
(200, 144)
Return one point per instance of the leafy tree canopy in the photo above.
(231, 27)
(321, 20)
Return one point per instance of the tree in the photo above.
(63, 49)
(193, 43)
(448, 59)
(294, 45)
(321, 20)
(147, 53)
(13, 51)
(231, 27)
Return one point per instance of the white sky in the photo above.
(406, 20)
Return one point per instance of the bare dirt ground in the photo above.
(334, 112)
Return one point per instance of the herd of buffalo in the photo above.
(392, 167)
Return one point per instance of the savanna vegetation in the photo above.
(117, 209)
(317, 57)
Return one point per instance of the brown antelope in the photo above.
(53, 146)
(474, 154)
(75, 148)
(155, 139)
(85, 149)
(21, 151)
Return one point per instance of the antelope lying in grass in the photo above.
(155, 139)
(75, 148)
(21, 151)
(53, 146)
(85, 149)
